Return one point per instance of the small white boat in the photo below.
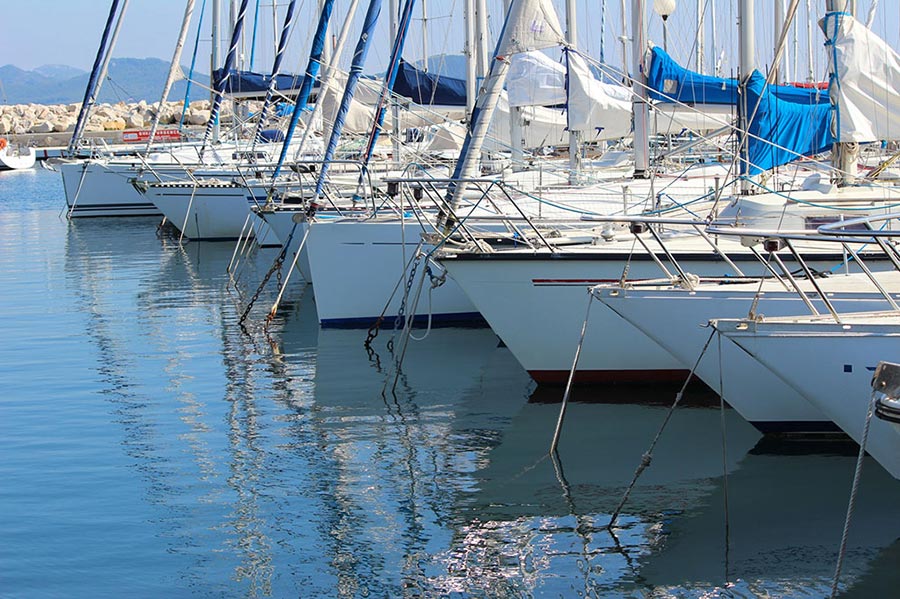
(14, 157)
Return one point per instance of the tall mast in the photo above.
(845, 154)
(639, 90)
(778, 67)
(394, 7)
(309, 77)
(746, 27)
(356, 68)
(276, 67)
(481, 36)
(713, 39)
(98, 72)
(624, 39)
(214, 60)
(515, 125)
(425, 35)
(701, 34)
(574, 134)
(174, 68)
(471, 91)
(226, 73)
(387, 88)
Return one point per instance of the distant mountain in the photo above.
(129, 80)
(59, 72)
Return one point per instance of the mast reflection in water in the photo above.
(152, 448)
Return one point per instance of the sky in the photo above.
(38, 32)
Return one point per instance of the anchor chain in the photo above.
(401, 311)
(276, 267)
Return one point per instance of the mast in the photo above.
(810, 75)
(279, 56)
(325, 80)
(747, 64)
(639, 89)
(574, 134)
(395, 108)
(309, 77)
(174, 69)
(214, 62)
(529, 25)
(356, 67)
(516, 142)
(469, 7)
(776, 33)
(624, 39)
(190, 77)
(387, 88)
(701, 34)
(425, 35)
(713, 40)
(844, 153)
(226, 73)
(98, 71)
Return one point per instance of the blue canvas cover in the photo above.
(670, 82)
(429, 88)
(786, 125)
(248, 82)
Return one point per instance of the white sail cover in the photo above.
(599, 110)
(867, 90)
(535, 80)
(530, 25)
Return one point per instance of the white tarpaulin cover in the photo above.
(599, 110)
(867, 90)
(535, 79)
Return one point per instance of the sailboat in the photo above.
(545, 287)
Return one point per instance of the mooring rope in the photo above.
(854, 489)
(648, 455)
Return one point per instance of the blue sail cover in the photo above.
(668, 81)
(786, 125)
(429, 88)
(248, 82)
(788, 121)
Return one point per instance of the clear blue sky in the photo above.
(37, 32)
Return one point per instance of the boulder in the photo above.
(198, 117)
(114, 125)
(42, 127)
(6, 126)
(135, 120)
(61, 126)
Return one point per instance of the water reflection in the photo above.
(237, 469)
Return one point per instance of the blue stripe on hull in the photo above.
(471, 319)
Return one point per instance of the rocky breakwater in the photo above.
(44, 126)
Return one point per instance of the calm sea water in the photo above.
(149, 447)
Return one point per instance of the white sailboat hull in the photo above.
(831, 365)
(676, 319)
(210, 212)
(537, 304)
(353, 291)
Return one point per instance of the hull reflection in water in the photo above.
(166, 449)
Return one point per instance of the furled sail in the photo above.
(866, 81)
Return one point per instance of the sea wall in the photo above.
(50, 125)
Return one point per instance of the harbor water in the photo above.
(150, 447)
